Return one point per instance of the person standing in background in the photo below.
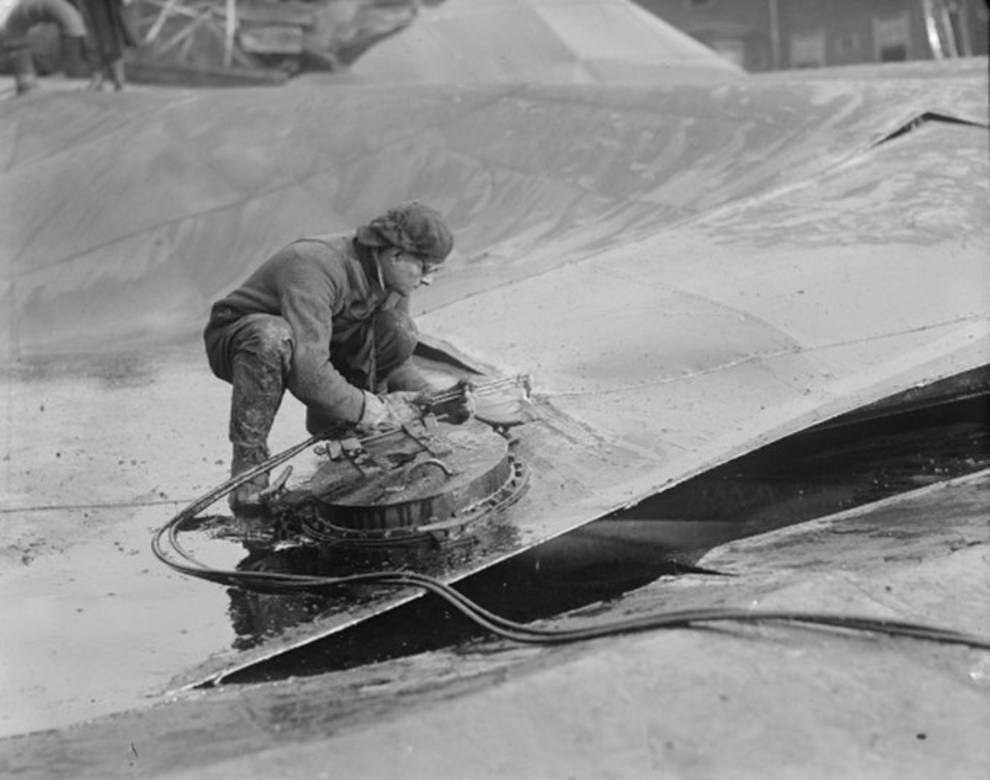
(109, 35)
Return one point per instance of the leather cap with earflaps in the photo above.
(413, 227)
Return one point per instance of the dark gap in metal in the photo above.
(927, 116)
(916, 438)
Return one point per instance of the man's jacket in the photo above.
(327, 288)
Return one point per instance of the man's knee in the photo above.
(268, 336)
(265, 351)
(257, 339)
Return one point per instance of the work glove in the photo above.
(456, 404)
(390, 410)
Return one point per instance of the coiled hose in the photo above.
(182, 561)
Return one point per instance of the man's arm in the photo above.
(307, 298)
(408, 377)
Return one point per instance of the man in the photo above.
(110, 34)
(328, 319)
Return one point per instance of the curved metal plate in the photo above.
(413, 477)
(687, 271)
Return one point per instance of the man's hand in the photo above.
(391, 410)
(455, 404)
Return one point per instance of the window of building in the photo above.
(848, 43)
(758, 54)
(892, 38)
(732, 49)
(808, 49)
(895, 53)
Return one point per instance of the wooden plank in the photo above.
(229, 29)
(159, 22)
(271, 39)
(258, 12)
(144, 72)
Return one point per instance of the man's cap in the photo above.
(413, 227)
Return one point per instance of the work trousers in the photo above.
(254, 353)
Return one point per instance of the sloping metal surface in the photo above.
(159, 201)
(556, 41)
(799, 702)
(687, 271)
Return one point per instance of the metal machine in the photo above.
(425, 486)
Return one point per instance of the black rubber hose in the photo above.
(275, 582)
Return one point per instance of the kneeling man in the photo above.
(328, 319)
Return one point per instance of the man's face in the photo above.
(404, 271)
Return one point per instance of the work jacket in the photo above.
(328, 289)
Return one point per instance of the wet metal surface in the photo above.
(791, 699)
(807, 476)
(92, 623)
(569, 467)
(689, 272)
(69, 606)
(825, 471)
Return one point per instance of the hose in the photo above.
(285, 583)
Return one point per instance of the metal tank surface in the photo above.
(689, 269)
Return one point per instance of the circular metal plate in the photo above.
(422, 475)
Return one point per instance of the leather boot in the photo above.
(117, 74)
(261, 360)
(256, 397)
(24, 83)
(246, 499)
(25, 76)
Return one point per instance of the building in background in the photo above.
(782, 34)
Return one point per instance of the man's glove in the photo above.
(392, 410)
(456, 404)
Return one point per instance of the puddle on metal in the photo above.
(816, 473)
